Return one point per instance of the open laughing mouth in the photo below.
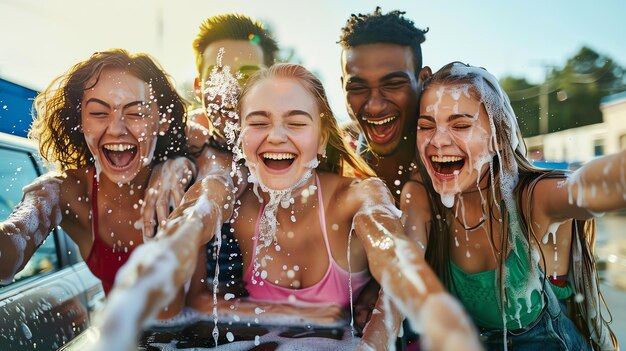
(381, 130)
(447, 166)
(278, 160)
(119, 156)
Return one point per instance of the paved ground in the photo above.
(616, 300)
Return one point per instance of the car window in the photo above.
(16, 171)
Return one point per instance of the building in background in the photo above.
(579, 145)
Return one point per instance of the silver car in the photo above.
(53, 298)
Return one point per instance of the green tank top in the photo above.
(479, 292)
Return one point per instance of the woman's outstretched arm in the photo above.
(398, 265)
(598, 186)
(29, 224)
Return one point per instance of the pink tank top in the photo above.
(334, 287)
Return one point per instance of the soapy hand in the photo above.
(166, 188)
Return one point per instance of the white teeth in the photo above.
(118, 147)
(445, 158)
(278, 156)
(382, 121)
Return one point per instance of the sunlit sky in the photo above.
(41, 39)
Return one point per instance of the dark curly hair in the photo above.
(377, 27)
(58, 109)
(235, 27)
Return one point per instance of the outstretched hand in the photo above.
(364, 305)
(167, 185)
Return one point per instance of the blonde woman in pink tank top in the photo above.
(296, 215)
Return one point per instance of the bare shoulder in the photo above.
(75, 195)
(546, 195)
(76, 181)
(414, 196)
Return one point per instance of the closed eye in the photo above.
(257, 124)
(356, 88)
(394, 84)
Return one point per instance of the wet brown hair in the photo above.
(57, 124)
(587, 315)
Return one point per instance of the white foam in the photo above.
(268, 221)
(447, 200)
(33, 218)
(552, 229)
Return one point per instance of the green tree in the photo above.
(525, 102)
(574, 92)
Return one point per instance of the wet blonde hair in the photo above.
(338, 153)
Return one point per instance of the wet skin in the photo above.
(453, 138)
(281, 132)
(120, 124)
(381, 91)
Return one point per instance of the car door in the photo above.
(51, 299)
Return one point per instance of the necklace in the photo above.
(461, 204)
(472, 228)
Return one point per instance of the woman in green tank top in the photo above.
(511, 241)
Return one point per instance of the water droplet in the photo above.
(579, 298)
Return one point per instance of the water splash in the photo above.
(268, 221)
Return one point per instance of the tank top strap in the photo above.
(322, 217)
(255, 237)
(94, 206)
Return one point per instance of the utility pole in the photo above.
(544, 92)
(543, 107)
